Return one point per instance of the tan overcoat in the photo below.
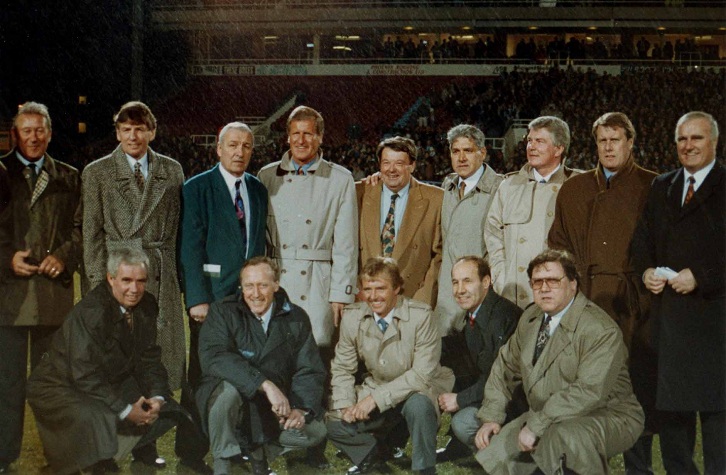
(418, 244)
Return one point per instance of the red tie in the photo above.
(689, 193)
(472, 318)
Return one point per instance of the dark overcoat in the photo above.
(96, 367)
(46, 220)
(233, 347)
(210, 236)
(689, 330)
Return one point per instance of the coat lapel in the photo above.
(224, 210)
(371, 218)
(257, 222)
(412, 217)
(712, 181)
(125, 184)
(156, 185)
(46, 173)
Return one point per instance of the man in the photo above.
(401, 218)
(102, 390)
(524, 207)
(262, 373)
(313, 225)
(468, 194)
(223, 224)
(678, 247)
(131, 198)
(570, 357)
(40, 248)
(396, 340)
(595, 217)
(487, 323)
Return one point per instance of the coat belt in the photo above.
(300, 254)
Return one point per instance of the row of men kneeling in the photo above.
(556, 391)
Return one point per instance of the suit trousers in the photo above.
(225, 414)
(357, 440)
(13, 376)
(678, 439)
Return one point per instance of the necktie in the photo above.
(300, 171)
(32, 175)
(691, 191)
(462, 189)
(383, 325)
(138, 176)
(542, 337)
(129, 317)
(472, 320)
(542, 181)
(239, 206)
(388, 235)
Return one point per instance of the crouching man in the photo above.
(399, 345)
(102, 390)
(571, 359)
(262, 376)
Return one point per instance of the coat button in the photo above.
(604, 243)
(284, 246)
(283, 271)
(549, 214)
(520, 269)
(289, 180)
(308, 221)
(304, 246)
(303, 298)
(522, 240)
(304, 272)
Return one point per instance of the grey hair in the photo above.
(31, 107)
(558, 129)
(466, 131)
(236, 125)
(699, 115)
(130, 256)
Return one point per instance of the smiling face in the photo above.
(259, 287)
(696, 147)
(32, 136)
(134, 138)
(469, 290)
(396, 168)
(304, 140)
(552, 300)
(235, 150)
(380, 294)
(466, 156)
(542, 153)
(128, 285)
(613, 147)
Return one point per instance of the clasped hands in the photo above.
(51, 265)
(145, 411)
(287, 417)
(683, 283)
(360, 411)
(526, 441)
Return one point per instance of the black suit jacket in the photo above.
(690, 330)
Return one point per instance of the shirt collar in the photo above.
(699, 176)
(38, 163)
(472, 181)
(144, 161)
(555, 319)
(388, 318)
(306, 167)
(402, 193)
(230, 179)
(538, 178)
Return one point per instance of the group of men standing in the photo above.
(618, 281)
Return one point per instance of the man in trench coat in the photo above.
(102, 390)
(132, 198)
(40, 249)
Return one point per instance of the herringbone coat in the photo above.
(116, 213)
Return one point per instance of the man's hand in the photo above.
(20, 267)
(337, 311)
(684, 282)
(51, 266)
(296, 420)
(447, 402)
(485, 433)
(653, 282)
(372, 180)
(198, 313)
(527, 440)
(155, 404)
(141, 416)
(279, 402)
(360, 411)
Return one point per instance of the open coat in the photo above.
(95, 368)
(313, 225)
(689, 330)
(418, 244)
(116, 213)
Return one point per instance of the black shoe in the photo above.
(104, 466)
(386, 453)
(369, 464)
(260, 467)
(454, 450)
(196, 465)
(148, 456)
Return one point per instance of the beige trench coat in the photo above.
(462, 229)
(116, 213)
(399, 363)
(313, 225)
(516, 229)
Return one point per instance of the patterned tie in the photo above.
(138, 176)
(239, 206)
(542, 338)
(691, 191)
(129, 317)
(383, 325)
(388, 235)
(300, 171)
(462, 189)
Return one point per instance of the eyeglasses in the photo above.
(551, 282)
